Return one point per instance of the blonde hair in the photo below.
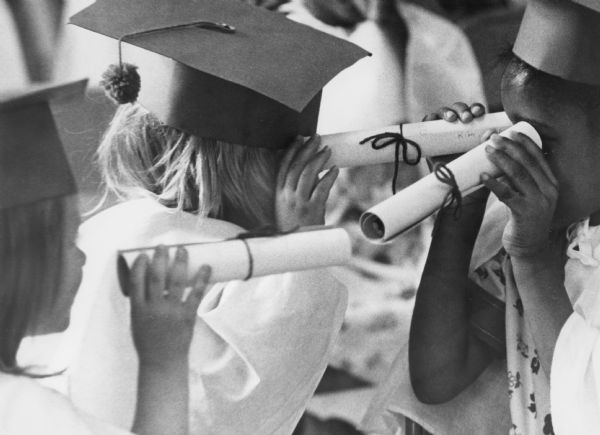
(140, 156)
(31, 246)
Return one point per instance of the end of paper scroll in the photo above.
(372, 226)
(528, 130)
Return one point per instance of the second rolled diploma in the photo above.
(411, 205)
(244, 258)
(434, 138)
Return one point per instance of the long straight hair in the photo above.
(31, 248)
(140, 156)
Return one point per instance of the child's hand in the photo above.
(301, 196)
(528, 188)
(164, 305)
(458, 111)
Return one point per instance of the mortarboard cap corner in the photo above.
(51, 91)
(33, 164)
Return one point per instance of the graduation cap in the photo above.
(562, 38)
(33, 165)
(219, 69)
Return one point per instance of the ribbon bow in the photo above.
(454, 197)
(266, 231)
(382, 140)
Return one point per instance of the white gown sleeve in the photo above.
(575, 378)
(27, 408)
(575, 372)
(259, 349)
(276, 335)
(256, 357)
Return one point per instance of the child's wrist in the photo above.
(169, 364)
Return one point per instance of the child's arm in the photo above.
(546, 304)
(530, 190)
(163, 314)
(445, 357)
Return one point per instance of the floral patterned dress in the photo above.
(528, 385)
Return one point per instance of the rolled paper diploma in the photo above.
(236, 259)
(411, 205)
(435, 138)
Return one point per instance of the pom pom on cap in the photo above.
(121, 83)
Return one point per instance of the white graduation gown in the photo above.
(27, 408)
(575, 372)
(259, 350)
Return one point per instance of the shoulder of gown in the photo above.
(29, 408)
(259, 349)
(144, 220)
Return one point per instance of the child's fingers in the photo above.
(499, 188)
(537, 153)
(321, 192)
(431, 117)
(299, 162)
(136, 288)
(477, 110)
(157, 275)
(285, 162)
(463, 112)
(516, 173)
(177, 280)
(525, 154)
(310, 175)
(199, 287)
(447, 114)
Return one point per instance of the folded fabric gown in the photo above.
(28, 408)
(575, 374)
(439, 68)
(480, 409)
(260, 346)
(12, 64)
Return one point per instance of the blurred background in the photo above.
(427, 53)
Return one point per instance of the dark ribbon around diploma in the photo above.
(454, 198)
(266, 231)
(383, 140)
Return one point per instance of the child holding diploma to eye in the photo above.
(40, 272)
(208, 142)
(545, 264)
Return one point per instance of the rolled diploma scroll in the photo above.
(413, 204)
(230, 260)
(436, 138)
